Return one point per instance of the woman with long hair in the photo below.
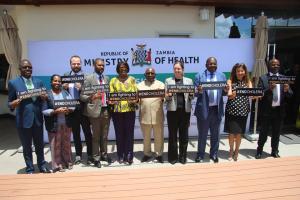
(237, 108)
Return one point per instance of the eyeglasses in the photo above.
(26, 67)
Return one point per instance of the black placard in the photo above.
(181, 89)
(249, 92)
(31, 93)
(151, 93)
(122, 96)
(282, 79)
(89, 90)
(213, 85)
(66, 103)
(72, 79)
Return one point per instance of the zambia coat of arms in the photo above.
(141, 56)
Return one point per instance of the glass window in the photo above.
(223, 26)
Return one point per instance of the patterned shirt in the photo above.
(240, 105)
(115, 85)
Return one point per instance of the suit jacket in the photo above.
(92, 108)
(51, 121)
(151, 109)
(81, 106)
(202, 104)
(172, 101)
(265, 105)
(29, 111)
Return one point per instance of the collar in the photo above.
(78, 73)
(271, 74)
(25, 79)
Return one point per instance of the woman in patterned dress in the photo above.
(123, 115)
(237, 108)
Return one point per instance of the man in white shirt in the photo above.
(271, 108)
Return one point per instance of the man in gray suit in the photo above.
(97, 109)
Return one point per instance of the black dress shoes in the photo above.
(45, 170)
(275, 155)
(90, 160)
(215, 159)
(182, 160)
(199, 159)
(130, 161)
(145, 158)
(97, 164)
(173, 162)
(258, 155)
(106, 158)
(159, 159)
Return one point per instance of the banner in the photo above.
(140, 53)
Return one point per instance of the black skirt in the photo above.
(235, 124)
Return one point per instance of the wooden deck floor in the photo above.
(250, 179)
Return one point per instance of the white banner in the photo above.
(52, 57)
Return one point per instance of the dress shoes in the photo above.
(97, 164)
(130, 161)
(275, 155)
(215, 159)
(77, 160)
(106, 158)
(159, 159)
(145, 158)
(45, 170)
(90, 160)
(258, 155)
(199, 159)
(173, 162)
(182, 160)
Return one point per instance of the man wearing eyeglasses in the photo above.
(29, 117)
(152, 117)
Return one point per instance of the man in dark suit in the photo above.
(271, 108)
(29, 118)
(97, 109)
(77, 116)
(209, 110)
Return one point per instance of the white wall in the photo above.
(109, 21)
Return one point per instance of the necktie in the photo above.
(211, 92)
(275, 93)
(29, 84)
(102, 93)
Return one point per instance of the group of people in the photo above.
(96, 110)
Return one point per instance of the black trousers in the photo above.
(178, 120)
(124, 129)
(79, 119)
(274, 121)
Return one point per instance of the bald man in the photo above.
(29, 118)
(152, 117)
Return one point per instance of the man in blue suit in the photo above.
(29, 118)
(209, 110)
